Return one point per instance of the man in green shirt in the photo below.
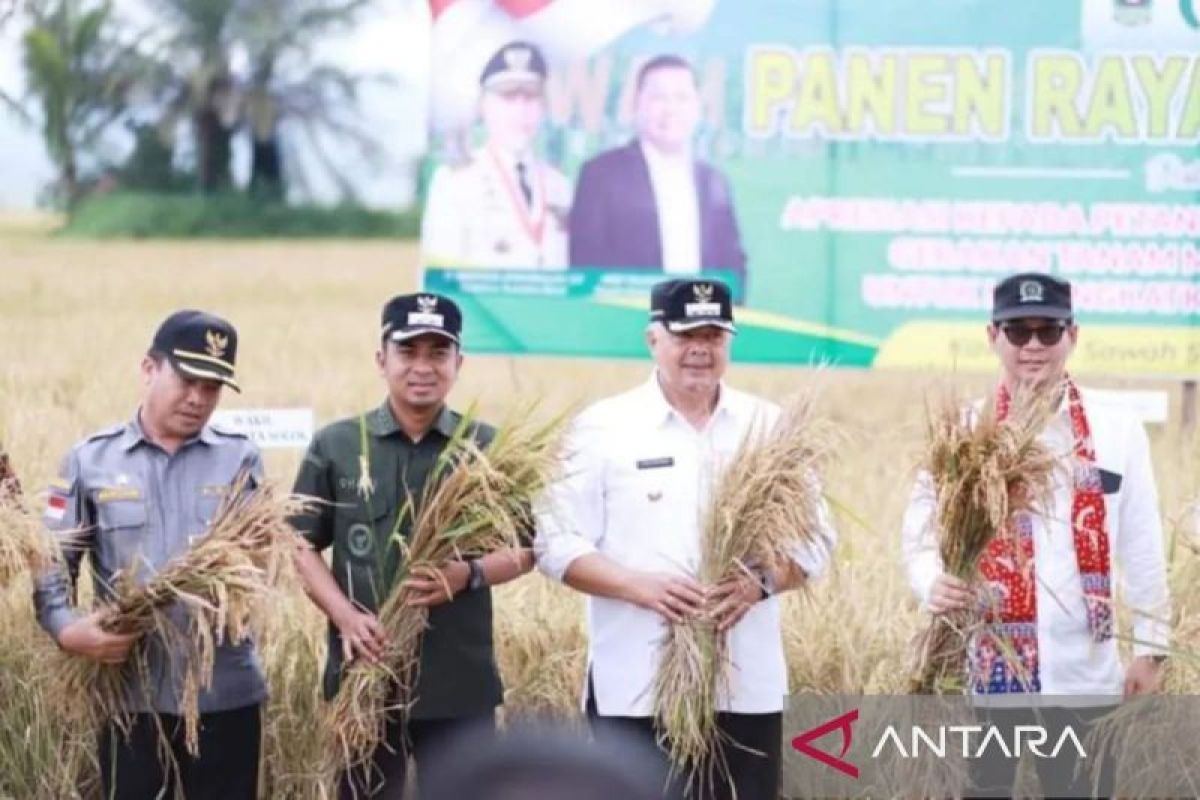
(365, 469)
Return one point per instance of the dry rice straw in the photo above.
(765, 505)
(222, 584)
(982, 471)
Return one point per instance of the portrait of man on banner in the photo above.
(651, 203)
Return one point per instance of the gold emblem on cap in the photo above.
(703, 292)
(215, 344)
(518, 57)
(427, 304)
(1031, 292)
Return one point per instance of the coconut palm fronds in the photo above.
(221, 586)
(765, 505)
(983, 470)
(479, 500)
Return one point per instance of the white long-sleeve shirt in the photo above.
(1071, 663)
(637, 482)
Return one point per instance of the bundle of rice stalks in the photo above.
(24, 546)
(221, 585)
(983, 470)
(477, 501)
(9, 485)
(765, 505)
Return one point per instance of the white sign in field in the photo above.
(269, 428)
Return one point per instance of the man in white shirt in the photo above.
(1045, 591)
(623, 527)
(651, 204)
(504, 206)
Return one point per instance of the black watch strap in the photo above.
(475, 579)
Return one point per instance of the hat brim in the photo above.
(680, 326)
(205, 372)
(1032, 312)
(404, 334)
(513, 80)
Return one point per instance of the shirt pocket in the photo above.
(206, 506)
(121, 535)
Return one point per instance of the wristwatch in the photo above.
(765, 584)
(475, 579)
(1159, 658)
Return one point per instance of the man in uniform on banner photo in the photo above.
(504, 206)
(651, 204)
(1047, 590)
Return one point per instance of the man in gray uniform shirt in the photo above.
(132, 497)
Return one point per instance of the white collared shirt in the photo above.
(636, 485)
(1071, 663)
(673, 179)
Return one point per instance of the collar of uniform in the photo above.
(134, 434)
(383, 422)
(664, 411)
(510, 159)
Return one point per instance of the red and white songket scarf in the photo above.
(1003, 656)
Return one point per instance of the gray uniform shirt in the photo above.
(129, 506)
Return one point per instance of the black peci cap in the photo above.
(683, 304)
(1031, 294)
(199, 345)
(406, 316)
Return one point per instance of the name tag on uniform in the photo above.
(215, 490)
(656, 463)
(112, 495)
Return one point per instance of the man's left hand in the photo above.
(1144, 676)
(729, 600)
(427, 586)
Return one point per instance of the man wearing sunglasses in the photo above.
(1045, 589)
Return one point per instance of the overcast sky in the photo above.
(393, 39)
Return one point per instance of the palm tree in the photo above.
(193, 81)
(286, 86)
(77, 75)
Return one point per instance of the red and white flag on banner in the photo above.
(466, 33)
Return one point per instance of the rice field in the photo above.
(75, 318)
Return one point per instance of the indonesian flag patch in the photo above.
(56, 507)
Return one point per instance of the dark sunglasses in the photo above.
(1019, 334)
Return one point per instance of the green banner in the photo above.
(862, 174)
